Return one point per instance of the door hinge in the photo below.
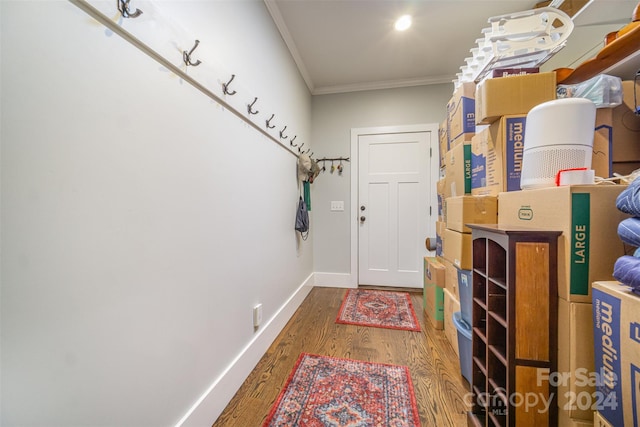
(430, 211)
(430, 152)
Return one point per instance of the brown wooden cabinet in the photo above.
(514, 339)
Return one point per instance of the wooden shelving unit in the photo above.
(514, 326)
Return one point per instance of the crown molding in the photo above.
(274, 11)
(388, 84)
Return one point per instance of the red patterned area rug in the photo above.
(327, 391)
(383, 309)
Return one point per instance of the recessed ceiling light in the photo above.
(403, 23)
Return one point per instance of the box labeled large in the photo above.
(463, 210)
(576, 367)
(496, 156)
(505, 96)
(457, 248)
(458, 170)
(616, 329)
(433, 296)
(461, 114)
(588, 218)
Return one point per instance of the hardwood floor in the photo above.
(439, 387)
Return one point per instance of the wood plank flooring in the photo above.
(440, 389)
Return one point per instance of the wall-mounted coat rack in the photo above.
(200, 78)
(333, 167)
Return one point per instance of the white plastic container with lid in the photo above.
(558, 136)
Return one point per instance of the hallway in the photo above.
(434, 366)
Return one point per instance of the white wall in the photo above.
(333, 117)
(140, 221)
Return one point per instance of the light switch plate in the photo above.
(337, 206)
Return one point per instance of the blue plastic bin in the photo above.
(465, 290)
(464, 345)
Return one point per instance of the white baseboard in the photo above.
(334, 280)
(212, 403)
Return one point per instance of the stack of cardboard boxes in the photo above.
(455, 171)
(481, 171)
(587, 250)
(502, 105)
(473, 168)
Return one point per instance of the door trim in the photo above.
(435, 173)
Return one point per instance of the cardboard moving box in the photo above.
(451, 281)
(458, 171)
(505, 96)
(617, 132)
(440, 227)
(463, 210)
(461, 114)
(496, 156)
(588, 218)
(433, 296)
(442, 195)
(576, 365)
(616, 326)
(603, 143)
(444, 141)
(456, 248)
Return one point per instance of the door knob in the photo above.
(362, 218)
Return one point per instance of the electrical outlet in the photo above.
(257, 315)
(337, 206)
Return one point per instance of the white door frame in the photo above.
(435, 173)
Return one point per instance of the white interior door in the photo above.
(393, 208)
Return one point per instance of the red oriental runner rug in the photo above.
(383, 309)
(327, 391)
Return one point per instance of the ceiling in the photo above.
(350, 45)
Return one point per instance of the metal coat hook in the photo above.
(291, 141)
(186, 56)
(123, 7)
(282, 135)
(300, 147)
(269, 125)
(250, 107)
(225, 86)
(308, 150)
